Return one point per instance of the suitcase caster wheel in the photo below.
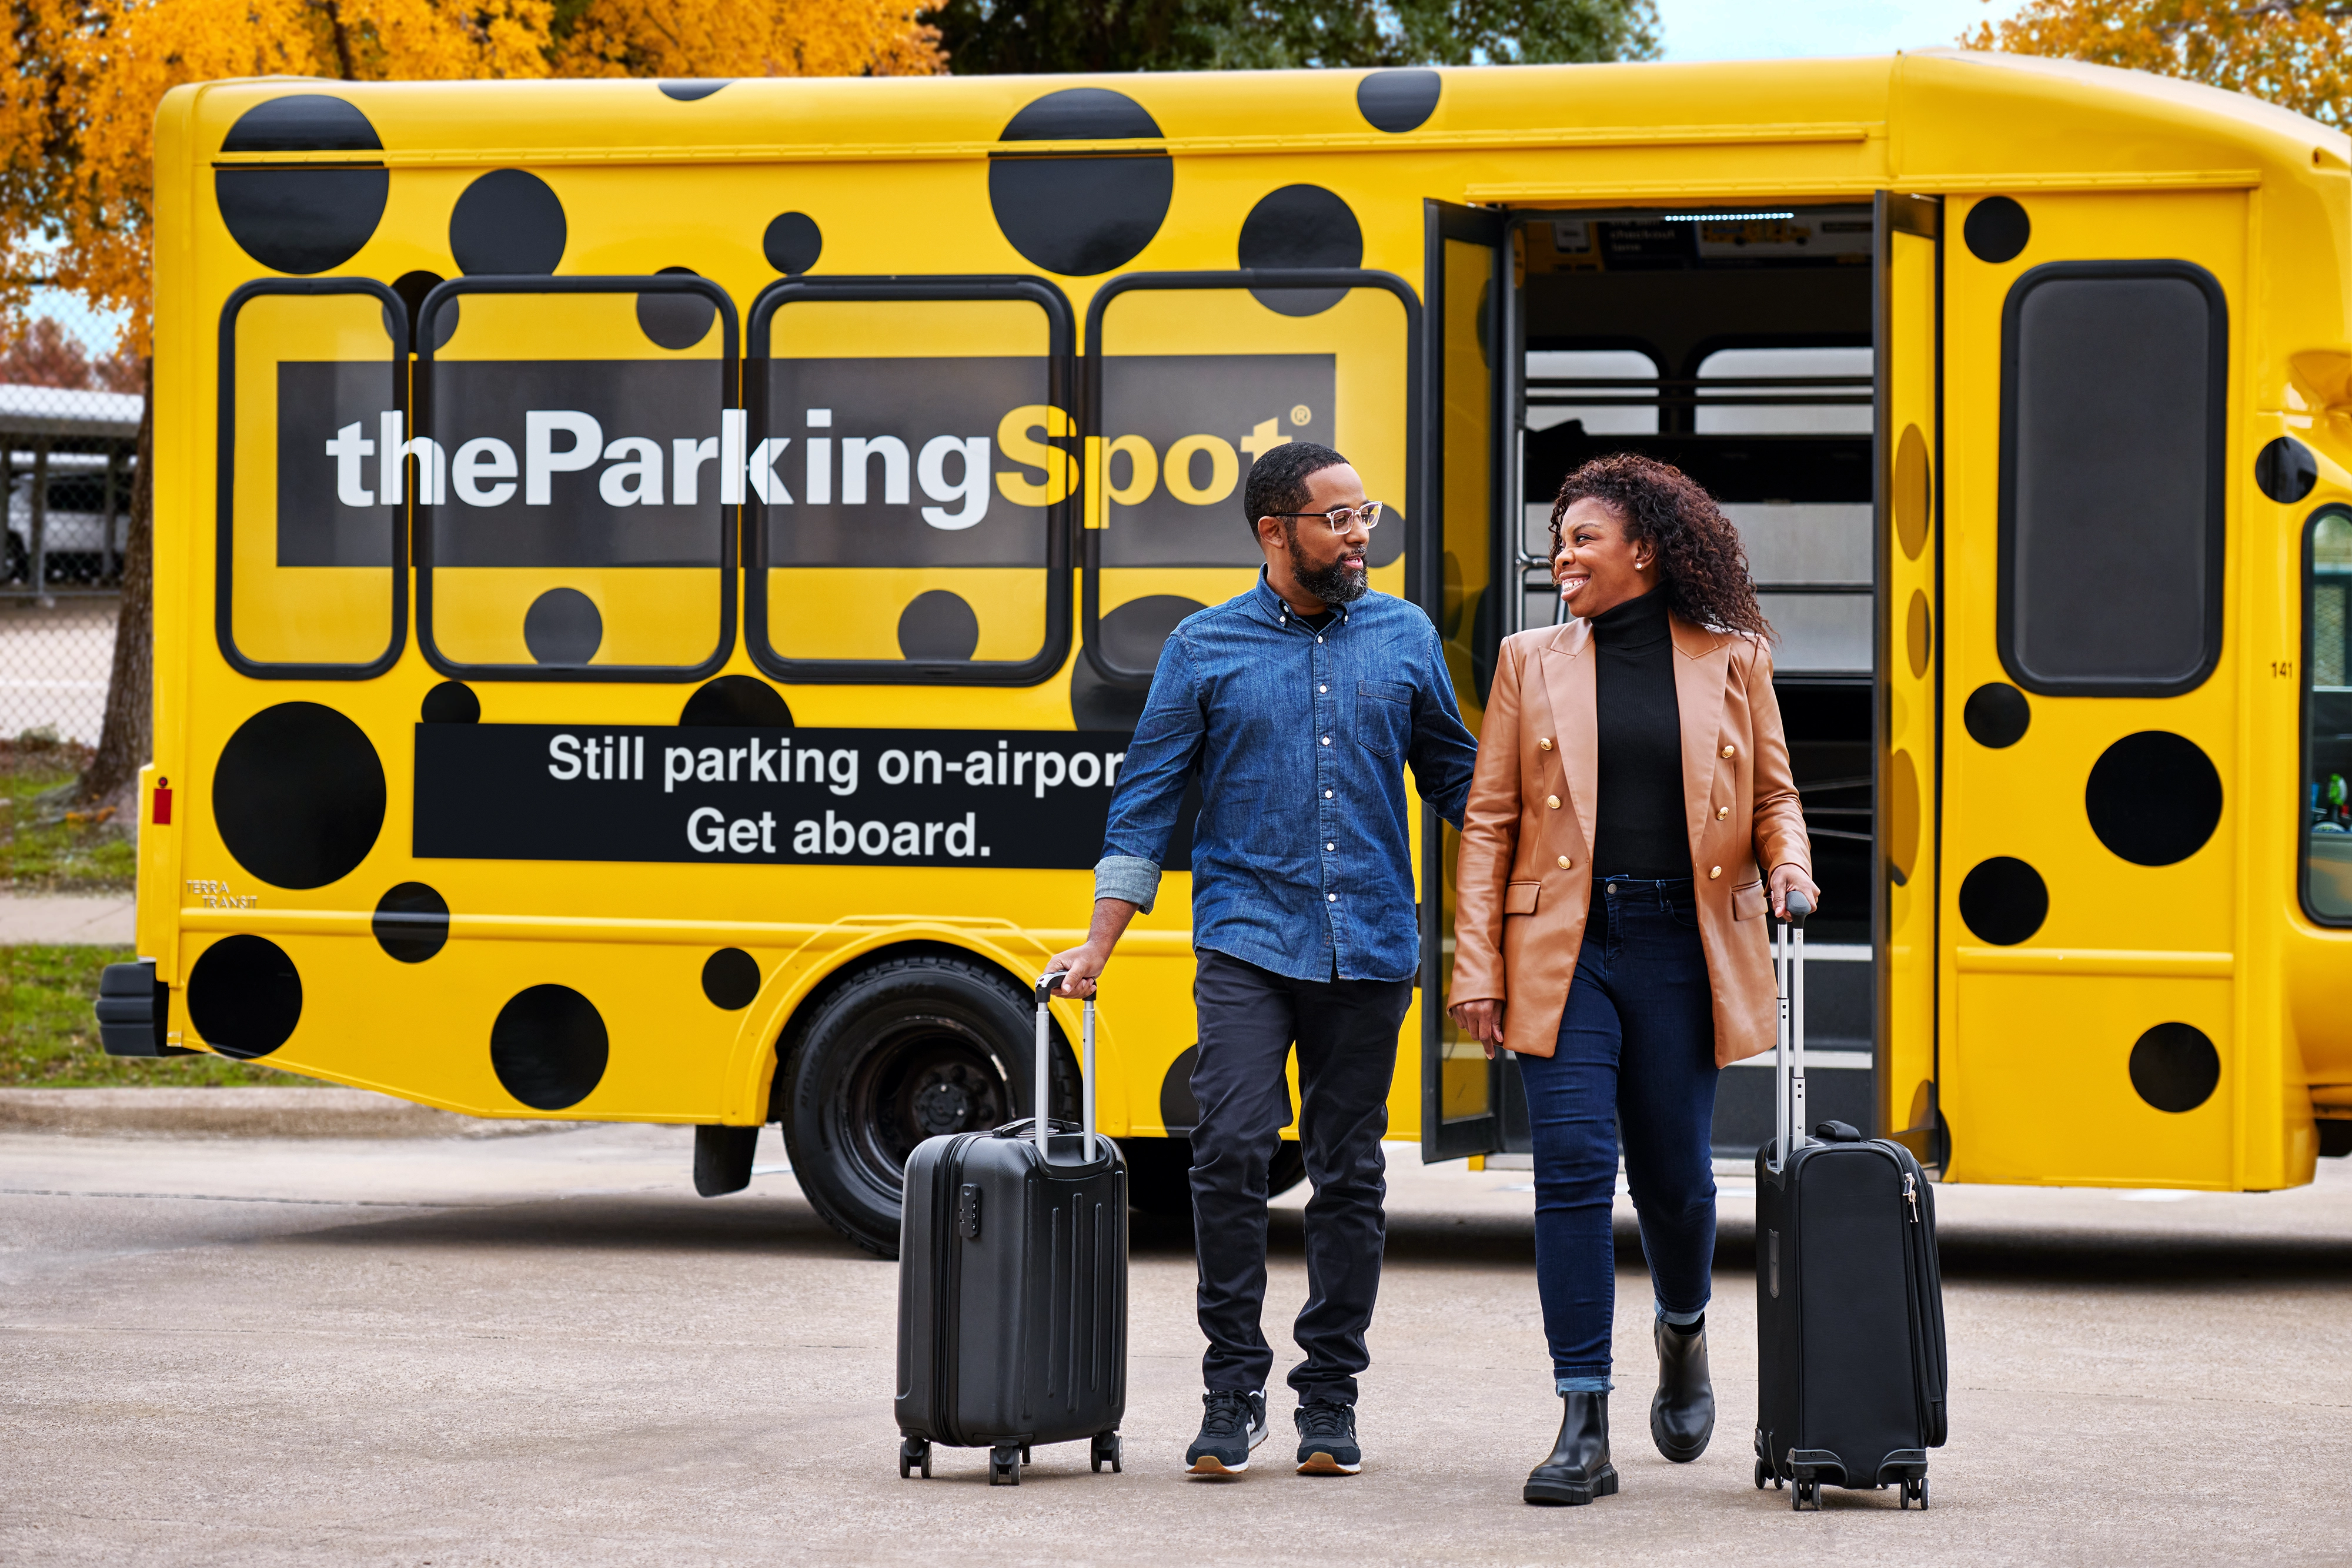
(1805, 1495)
(914, 1453)
(1916, 1491)
(1024, 1453)
(1760, 1477)
(1004, 1466)
(1105, 1452)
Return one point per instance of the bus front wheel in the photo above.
(907, 1048)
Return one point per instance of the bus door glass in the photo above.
(1463, 587)
(1190, 378)
(314, 381)
(913, 469)
(2090, 770)
(573, 505)
(1907, 545)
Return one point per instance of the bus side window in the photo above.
(2114, 397)
(2327, 718)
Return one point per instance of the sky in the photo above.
(1769, 29)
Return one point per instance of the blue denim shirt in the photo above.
(1301, 859)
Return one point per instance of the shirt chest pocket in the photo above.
(1383, 717)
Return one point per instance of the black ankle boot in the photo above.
(1579, 1469)
(1682, 1413)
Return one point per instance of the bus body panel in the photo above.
(2026, 1053)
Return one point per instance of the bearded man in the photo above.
(1301, 703)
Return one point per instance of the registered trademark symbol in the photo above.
(1300, 414)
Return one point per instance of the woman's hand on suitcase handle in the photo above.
(1788, 876)
(1079, 966)
(1482, 1021)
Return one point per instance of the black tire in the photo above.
(1159, 1174)
(906, 1049)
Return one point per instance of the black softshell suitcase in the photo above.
(1849, 1299)
(1013, 1287)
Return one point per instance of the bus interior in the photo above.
(1737, 345)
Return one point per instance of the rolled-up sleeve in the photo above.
(1443, 754)
(1151, 782)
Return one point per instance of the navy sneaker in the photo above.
(1327, 1439)
(1232, 1426)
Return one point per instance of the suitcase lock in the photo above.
(968, 1211)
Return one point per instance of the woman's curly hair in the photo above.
(1700, 559)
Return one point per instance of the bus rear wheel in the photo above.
(907, 1048)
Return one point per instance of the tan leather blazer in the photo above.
(1525, 878)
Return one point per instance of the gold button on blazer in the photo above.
(1520, 920)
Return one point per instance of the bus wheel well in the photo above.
(910, 1042)
(794, 1033)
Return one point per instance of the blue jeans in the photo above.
(1636, 1052)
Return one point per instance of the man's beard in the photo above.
(1338, 583)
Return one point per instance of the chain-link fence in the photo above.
(70, 409)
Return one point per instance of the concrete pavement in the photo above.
(547, 1350)
(98, 918)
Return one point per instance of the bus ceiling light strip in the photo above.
(1722, 218)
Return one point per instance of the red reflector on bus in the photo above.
(163, 802)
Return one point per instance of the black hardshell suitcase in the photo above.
(1849, 1299)
(1013, 1287)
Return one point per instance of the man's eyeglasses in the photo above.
(1369, 514)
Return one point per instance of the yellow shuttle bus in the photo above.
(654, 579)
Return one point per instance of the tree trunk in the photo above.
(124, 740)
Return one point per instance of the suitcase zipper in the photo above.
(946, 1277)
(1911, 1194)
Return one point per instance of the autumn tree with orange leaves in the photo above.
(2287, 52)
(81, 82)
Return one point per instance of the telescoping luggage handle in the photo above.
(1051, 986)
(1788, 1045)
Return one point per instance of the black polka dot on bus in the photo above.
(693, 91)
(451, 702)
(938, 625)
(562, 626)
(730, 979)
(411, 922)
(2004, 900)
(1997, 715)
(742, 702)
(245, 996)
(676, 321)
(2175, 1068)
(1996, 230)
(1399, 101)
(2154, 798)
(302, 220)
(508, 221)
(549, 1047)
(792, 243)
(1180, 1111)
(1131, 636)
(412, 287)
(1300, 226)
(2285, 470)
(298, 795)
(1081, 213)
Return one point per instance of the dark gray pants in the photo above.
(1346, 1032)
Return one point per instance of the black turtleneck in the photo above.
(1641, 831)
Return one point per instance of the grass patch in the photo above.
(48, 1030)
(43, 848)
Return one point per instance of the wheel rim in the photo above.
(919, 1076)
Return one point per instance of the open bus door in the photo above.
(1908, 544)
(1461, 583)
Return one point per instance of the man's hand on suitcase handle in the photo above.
(1080, 964)
(1787, 878)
